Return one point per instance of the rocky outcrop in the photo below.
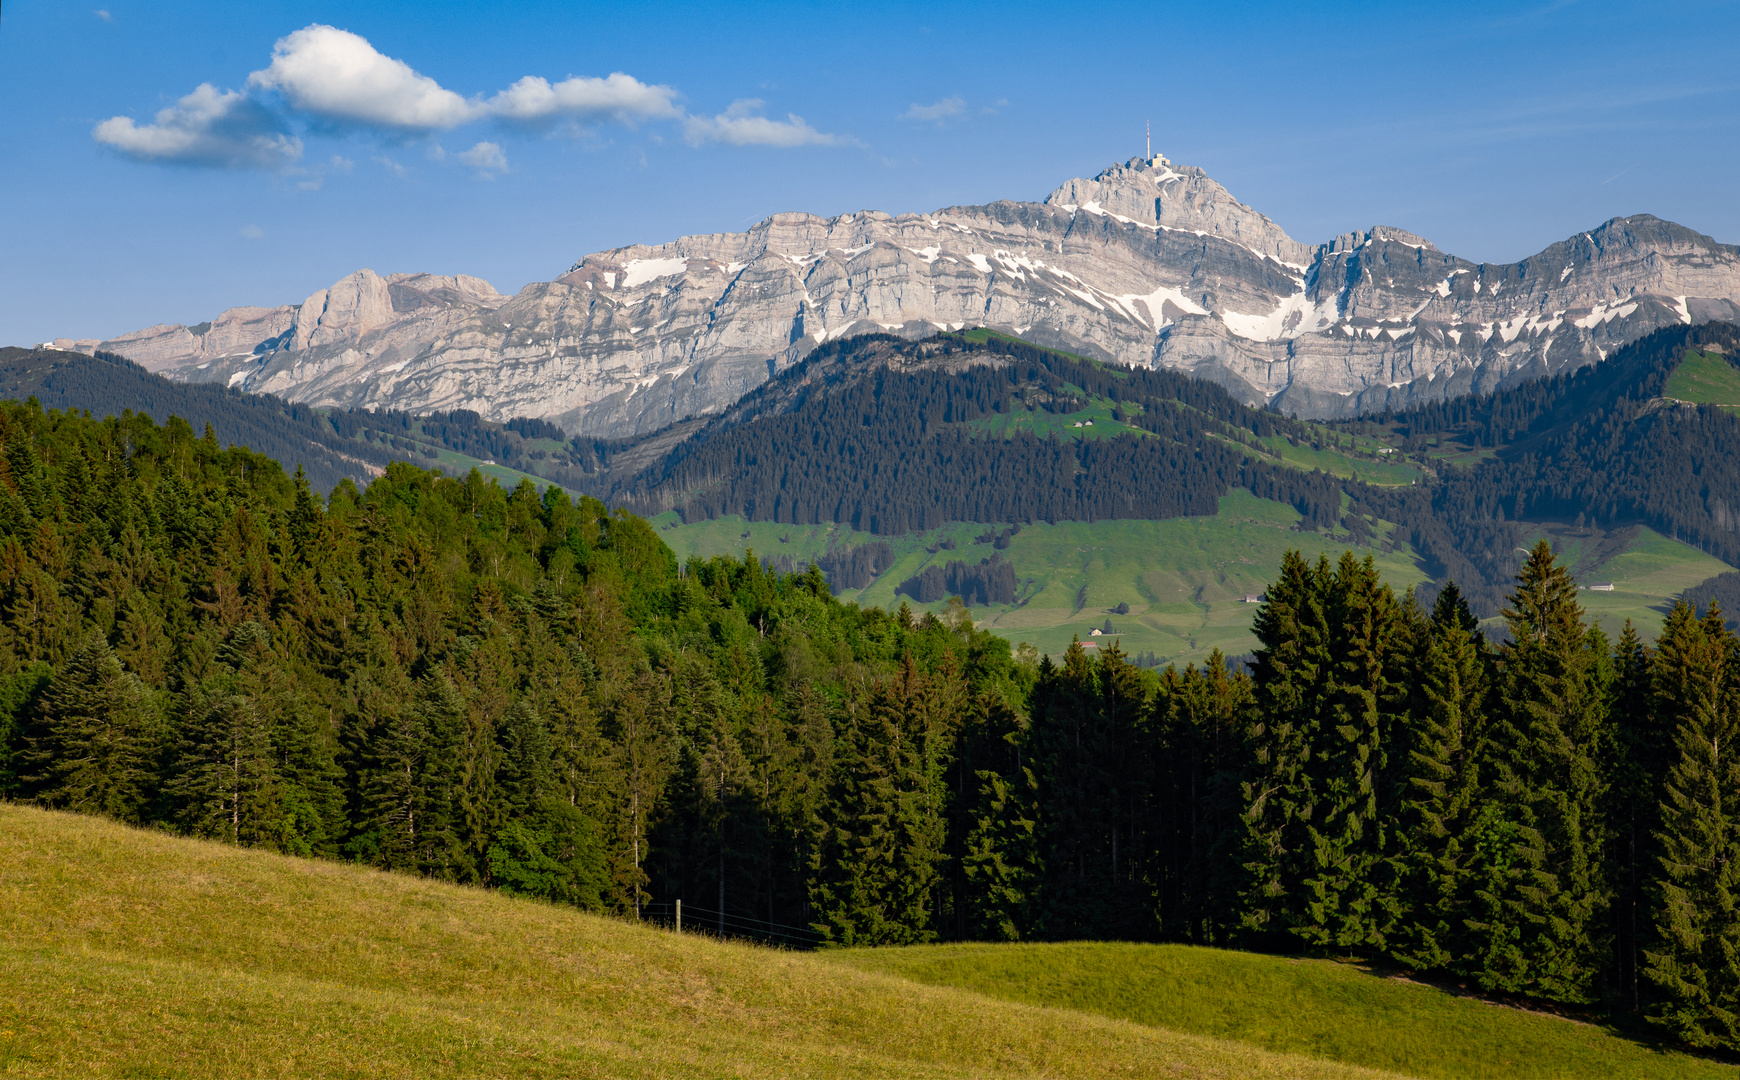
(1148, 263)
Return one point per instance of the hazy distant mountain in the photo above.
(1146, 264)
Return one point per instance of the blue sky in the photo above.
(299, 142)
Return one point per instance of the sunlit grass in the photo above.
(134, 953)
(1317, 1007)
(1704, 378)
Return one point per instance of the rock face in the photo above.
(1147, 263)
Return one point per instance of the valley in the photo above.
(1185, 579)
(1181, 548)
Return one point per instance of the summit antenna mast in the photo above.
(1149, 124)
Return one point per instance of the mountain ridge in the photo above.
(1146, 264)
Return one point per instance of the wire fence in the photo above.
(702, 920)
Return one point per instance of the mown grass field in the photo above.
(1704, 379)
(1328, 1010)
(129, 953)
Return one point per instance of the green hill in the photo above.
(1317, 1007)
(134, 953)
(904, 440)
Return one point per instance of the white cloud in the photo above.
(934, 114)
(336, 75)
(616, 96)
(207, 127)
(103, 15)
(322, 75)
(252, 232)
(486, 158)
(739, 126)
(391, 166)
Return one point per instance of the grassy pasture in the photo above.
(1184, 579)
(130, 953)
(1328, 1010)
(1704, 378)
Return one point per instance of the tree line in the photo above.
(989, 581)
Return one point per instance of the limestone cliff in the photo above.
(1148, 263)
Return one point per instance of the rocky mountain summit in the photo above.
(1147, 264)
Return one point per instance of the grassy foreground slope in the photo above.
(134, 953)
(1314, 1007)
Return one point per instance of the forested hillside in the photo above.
(1598, 446)
(981, 430)
(443, 677)
(889, 448)
(329, 446)
(890, 437)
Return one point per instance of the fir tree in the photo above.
(93, 749)
(876, 862)
(1438, 808)
(1695, 966)
(1202, 719)
(1544, 930)
(1645, 738)
(1330, 679)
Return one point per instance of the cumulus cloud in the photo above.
(252, 232)
(937, 113)
(336, 75)
(322, 75)
(103, 15)
(740, 125)
(486, 158)
(534, 100)
(207, 127)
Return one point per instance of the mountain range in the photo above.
(1148, 264)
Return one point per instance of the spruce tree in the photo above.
(1331, 679)
(226, 772)
(1644, 735)
(1543, 928)
(876, 863)
(1443, 784)
(1695, 964)
(1280, 801)
(1202, 720)
(94, 749)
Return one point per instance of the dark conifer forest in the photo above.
(442, 677)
